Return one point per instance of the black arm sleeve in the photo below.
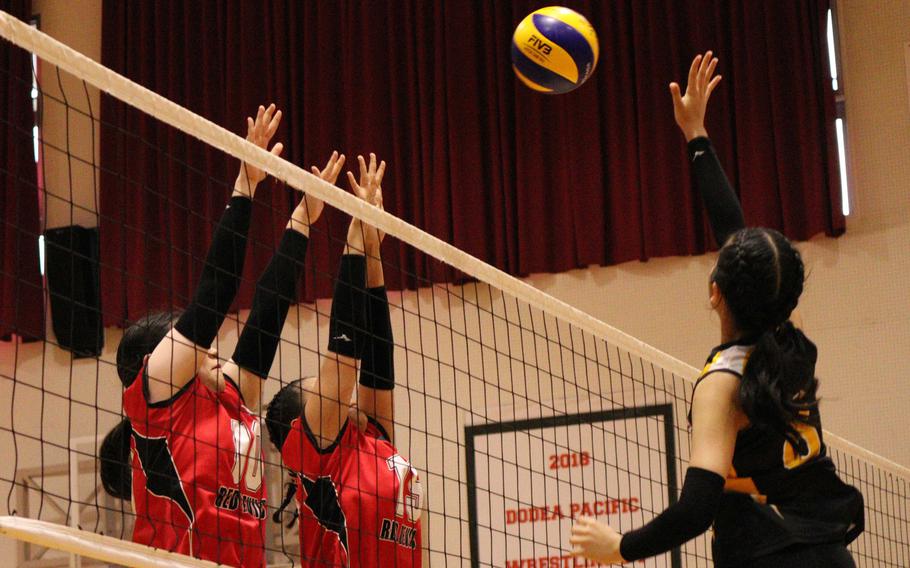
(724, 210)
(377, 367)
(348, 319)
(681, 522)
(276, 290)
(220, 276)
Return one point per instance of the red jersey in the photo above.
(197, 473)
(359, 499)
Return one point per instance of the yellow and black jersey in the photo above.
(776, 495)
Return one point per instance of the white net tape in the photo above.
(658, 380)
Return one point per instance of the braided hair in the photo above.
(761, 274)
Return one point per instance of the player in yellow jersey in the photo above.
(759, 470)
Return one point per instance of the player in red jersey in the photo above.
(193, 464)
(359, 500)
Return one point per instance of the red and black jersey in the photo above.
(197, 473)
(359, 499)
(776, 495)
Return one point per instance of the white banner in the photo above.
(529, 478)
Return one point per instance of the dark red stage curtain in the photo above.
(527, 182)
(21, 297)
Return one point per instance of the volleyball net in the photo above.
(518, 411)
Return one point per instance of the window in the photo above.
(840, 119)
(36, 139)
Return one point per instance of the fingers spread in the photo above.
(267, 115)
(705, 62)
(355, 187)
(273, 124)
(674, 93)
(336, 167)
(713, 84)
(711, 68)
(693, 71)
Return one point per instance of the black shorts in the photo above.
(807, 556)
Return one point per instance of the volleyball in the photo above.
(554, 50)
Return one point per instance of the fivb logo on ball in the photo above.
(554, 50)
(540, 45)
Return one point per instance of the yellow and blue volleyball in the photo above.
(554, 50)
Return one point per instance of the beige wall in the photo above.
(73, 158)
(855, 306)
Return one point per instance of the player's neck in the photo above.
(728, 331)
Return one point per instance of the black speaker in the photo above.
(71, 266)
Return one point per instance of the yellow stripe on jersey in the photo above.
(809, 433)
(732, 359)
(711, 363)
(745, 485)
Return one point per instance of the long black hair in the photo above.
(139, 340)
(114, 455)
(761, 274)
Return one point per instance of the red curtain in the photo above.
(527, 182)
(21, 296)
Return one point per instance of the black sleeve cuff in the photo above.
(377, 369)
(700, 144)
(681, 522)
(347, 321)
(220, 276)
(725, 213)
(275, 292)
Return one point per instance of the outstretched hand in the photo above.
(595, 541)
(259, 131)
(689, 109)
(310, 207)
(368, 188)
(370, 179)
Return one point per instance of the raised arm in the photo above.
(275, 292)
(377, 368)
(174, 361)
(326, 408)
(724, 211)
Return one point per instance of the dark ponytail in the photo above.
(779, 382)
(760, 275)
(114, 455)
